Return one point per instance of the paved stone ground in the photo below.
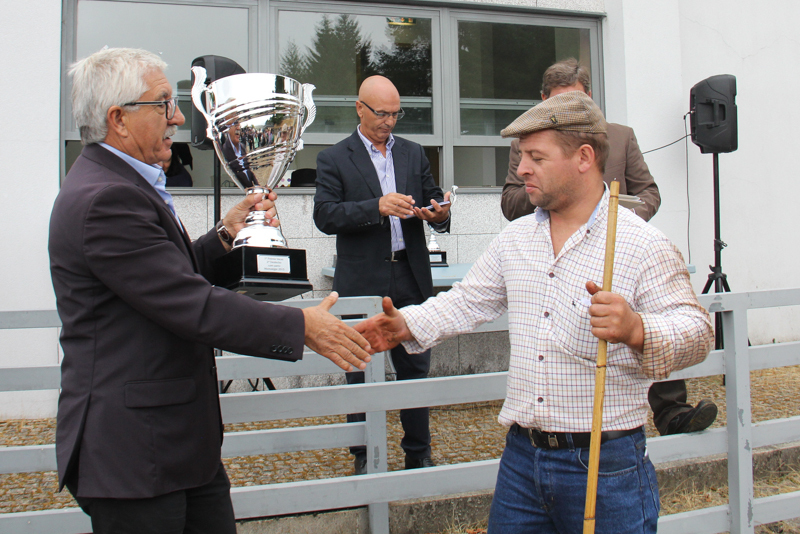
(460, 434)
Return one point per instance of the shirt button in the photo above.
(547, 314)
(552, 275)
(540, 399)
(541, 357)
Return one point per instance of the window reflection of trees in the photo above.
(341, 57)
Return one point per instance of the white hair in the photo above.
(110, 77)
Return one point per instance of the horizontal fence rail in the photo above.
(379, 487)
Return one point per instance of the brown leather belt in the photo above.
(560, 440)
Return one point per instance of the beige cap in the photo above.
(573, 111)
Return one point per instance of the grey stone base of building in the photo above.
(425, 516)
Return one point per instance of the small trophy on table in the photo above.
(437, 255)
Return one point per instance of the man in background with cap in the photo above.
(544, 270)
(625, 163)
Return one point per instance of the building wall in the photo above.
(29, 159)
(653, 52)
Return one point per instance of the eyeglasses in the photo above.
(396, 115)
(170, 105)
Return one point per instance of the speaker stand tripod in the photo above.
(717, 278)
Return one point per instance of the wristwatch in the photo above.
(223, 233)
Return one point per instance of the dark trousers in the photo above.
(667, 400)
(203, 510)
(416, 442)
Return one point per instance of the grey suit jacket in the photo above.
(625, 163)
(346, 204)
(138, 414)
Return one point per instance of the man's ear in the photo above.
(115, 119)
(586, 157)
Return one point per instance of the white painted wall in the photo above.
(29, 159)
(654, 53)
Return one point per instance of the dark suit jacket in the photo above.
(138, 414)
(346, 204)
(625, 163)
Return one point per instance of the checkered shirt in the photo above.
(553, 352)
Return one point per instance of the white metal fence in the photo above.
(377, 488)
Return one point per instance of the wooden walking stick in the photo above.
(600, 371)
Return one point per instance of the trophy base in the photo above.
(264, 273)
(438, 258)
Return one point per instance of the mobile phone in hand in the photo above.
(430, 208)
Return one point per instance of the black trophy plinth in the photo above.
(438, 258)
(264, 273)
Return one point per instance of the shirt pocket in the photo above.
(573, 328)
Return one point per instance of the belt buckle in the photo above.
(392, 258)
(552, 440)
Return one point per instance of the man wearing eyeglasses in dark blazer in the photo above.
(370, 188)
(139, 431)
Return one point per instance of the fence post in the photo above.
(740, 430)
(376, 445)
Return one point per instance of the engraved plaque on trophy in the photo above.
(255, 121)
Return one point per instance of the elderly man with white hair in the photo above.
(139, 432)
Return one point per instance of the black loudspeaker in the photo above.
(712, 103)
(216, 67)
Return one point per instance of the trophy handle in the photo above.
(308, 102)
(198, 89)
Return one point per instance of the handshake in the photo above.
(345, 346)
(351, 348)
(612, 319)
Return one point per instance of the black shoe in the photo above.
(416, 463)
(698, 418)
(360, 464)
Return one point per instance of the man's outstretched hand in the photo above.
(330, 337)
(613, 319)
(386, 330)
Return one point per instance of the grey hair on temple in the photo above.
(110, 77)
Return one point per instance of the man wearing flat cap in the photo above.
(545, 272)
(672, 414)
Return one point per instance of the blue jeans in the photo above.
(544, 491)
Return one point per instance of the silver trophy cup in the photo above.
(255, 122)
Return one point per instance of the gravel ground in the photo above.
(459, 433)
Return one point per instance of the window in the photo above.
(500, 69)
(462, 74)
(336, 52)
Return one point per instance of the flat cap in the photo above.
(573, 111)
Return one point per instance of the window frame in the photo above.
(263, 40)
